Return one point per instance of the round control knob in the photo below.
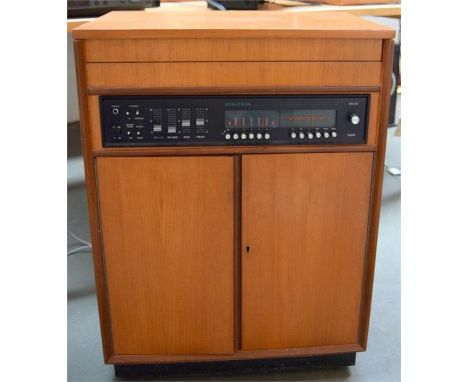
(326, 134)
(267, 135)
(244, 136)
(227, 136)
(334, 134)
(138, 133)
(301, 135)
(259, 135)
(354, 119)
(318, 134)
(235, 136)
(310, 135)
(293, 135)
(251, 136)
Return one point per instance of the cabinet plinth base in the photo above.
(237, 366)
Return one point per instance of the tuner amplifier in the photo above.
(234, 121)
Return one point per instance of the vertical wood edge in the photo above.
(387, 69)
(93, 212)
(237, 159)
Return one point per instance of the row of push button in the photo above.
(228, 135)
(312, 135)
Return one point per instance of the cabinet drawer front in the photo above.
(261, 75)
(167, 234)
(305, 223)
(279, 49)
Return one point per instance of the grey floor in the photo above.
(381, 362)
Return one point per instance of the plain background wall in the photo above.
(72, 96)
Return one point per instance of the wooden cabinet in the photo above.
(304, 236)
(169, 247)
(167, 233)
(233, 252)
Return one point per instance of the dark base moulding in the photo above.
(272, 365)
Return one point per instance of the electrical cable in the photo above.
(87, 245)
(79, 249)
(78, 238)
(215, 4)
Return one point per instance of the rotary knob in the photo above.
(293, 135)
(259, 135)
(334, 134)
(267, 135)
(301, 135)
(310, 135)
(354, 119)
(251, 136)
(235, 136)
(318, 134)
(243, 136)
(227, 136)
(326, 134)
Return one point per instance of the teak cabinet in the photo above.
(233, 253)
(167, 233)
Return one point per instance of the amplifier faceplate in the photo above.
(234, 120)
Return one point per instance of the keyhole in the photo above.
(247, 248)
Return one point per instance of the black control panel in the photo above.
(234, 120)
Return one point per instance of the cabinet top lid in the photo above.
(245, 24)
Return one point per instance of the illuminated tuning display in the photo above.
(251, 119)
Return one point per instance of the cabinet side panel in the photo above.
(167, 231)
(86, 131)
(305, 219)
(387, 65)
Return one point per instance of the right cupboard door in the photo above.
(304, 235)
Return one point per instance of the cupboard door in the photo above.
(304, 234)
(167, 234)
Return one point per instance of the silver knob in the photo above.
(259, 135)
(310, 135)
(293, 135)
(267, 136)
(326, 134)
(227, 136)
(334, 134)
(301, 135)
(318, 134)
(244, 136)
(354, 119)
(251, 136)
(235, 136)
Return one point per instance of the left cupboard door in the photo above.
(167, 226)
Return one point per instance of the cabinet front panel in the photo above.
(304, 234)
(167, 231)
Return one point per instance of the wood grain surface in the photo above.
(304, 237)
(192, 50)
(238, 355)
(379, 169)
(167, 233)
(91, 193)
(170, 226)
(224, 74)
(252, 24)
(359, 2)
